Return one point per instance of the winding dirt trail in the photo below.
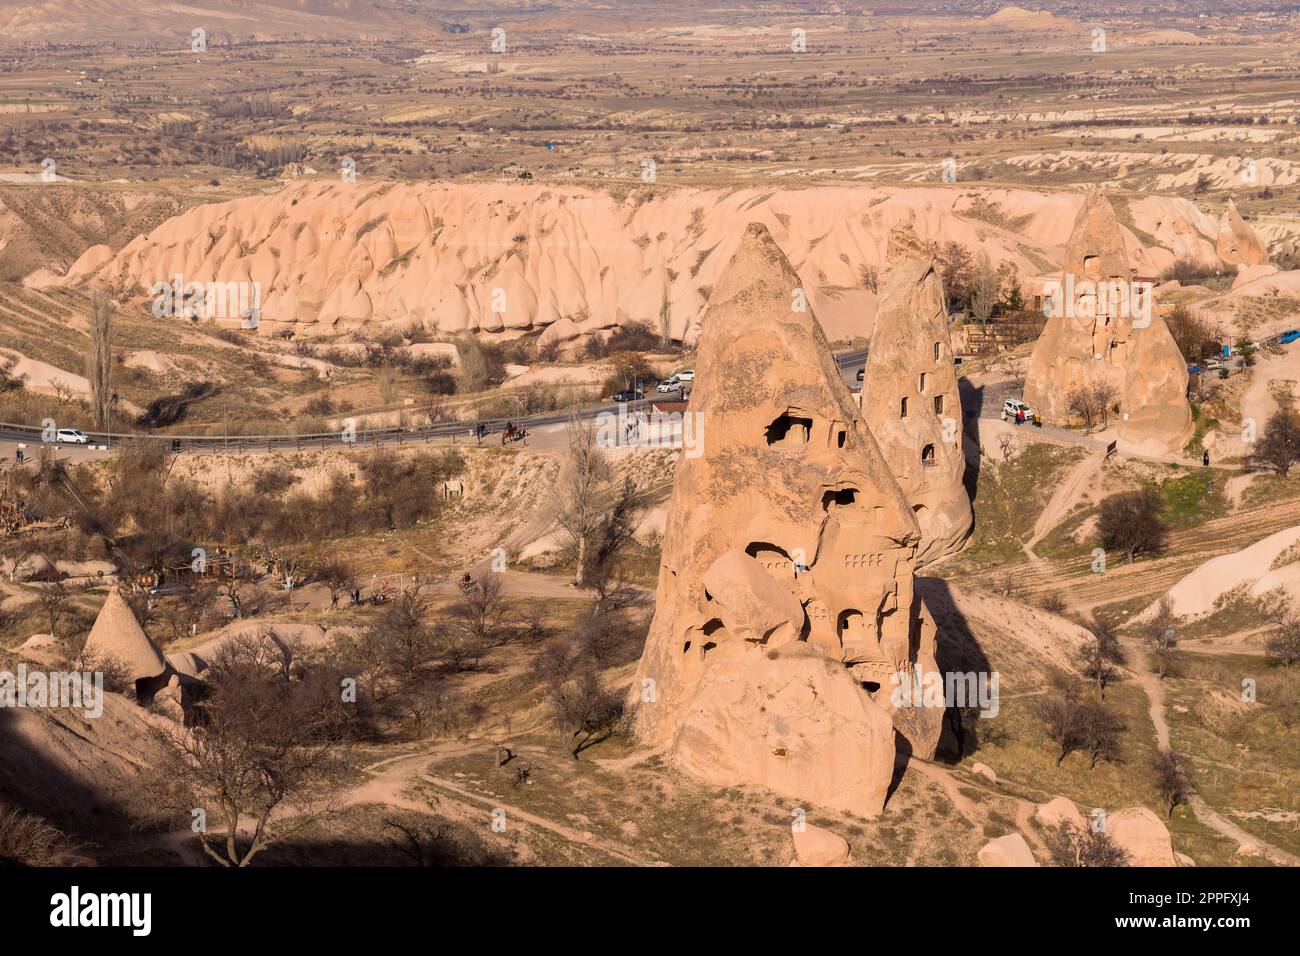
(1155, 691)
(1148, 577)
(390, 778)
(1067, 495)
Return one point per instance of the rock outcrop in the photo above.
(117, 636)
(817, 846)
(785, 598)
(1057, 811)
(568, 262)
(910, 400)
(1238, 244)
(1104, 331)
(1142, 835)
(1009, 850)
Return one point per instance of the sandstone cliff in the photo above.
(331, 257)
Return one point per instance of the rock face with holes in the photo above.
(1104, 335)
(1238, 244)
(910, 400)
(785, 600)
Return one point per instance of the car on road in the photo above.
(1289, 336)
(628, 395)
(73, 436)
(862, 374)
(1017, 411)
(686, 375)
(669, 385)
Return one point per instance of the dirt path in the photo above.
(943, 777)
(962, 803)
(1155, 691)
(568, 833)
(1067, 495)
(390, 778)
(1189, 548)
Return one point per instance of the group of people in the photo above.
(511, 432)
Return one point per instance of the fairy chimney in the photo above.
(117, 636)
(1238, 244)
(785, 597)
(910, 400)
(1103, 330)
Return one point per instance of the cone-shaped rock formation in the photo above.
(910, 400)
(785, 598)
(1104, 332)
(117, 636)
(1238, 244)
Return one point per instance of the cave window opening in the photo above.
(789, 430)
(839, 498)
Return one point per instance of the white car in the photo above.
(73, 436)
(687, 375)
(1017, 411)
(669, 385)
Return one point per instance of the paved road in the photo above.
(460, 432)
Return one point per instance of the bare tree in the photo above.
(18, 551)
(985, 290)
(262, 757)
(582, 709)
(955, 266)
(1099, 730)
(1060, 715)
(1076, 723)
(1278, 448)
(1074, 846)
(187, 612)
(1132, 522)
(1099, 656)
(99, 367)
(1161, 639)
(407, 641)
(610, 540)
(53, 597)
(584, 480)
(1104, 396)
(338, 576)
(585, 710)
(480, 611)
(1092, 403)
(1171, 779)
(1283, 644)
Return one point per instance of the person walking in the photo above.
(1205, 458)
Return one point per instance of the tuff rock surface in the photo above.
(1092, 338)
(785, 598)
